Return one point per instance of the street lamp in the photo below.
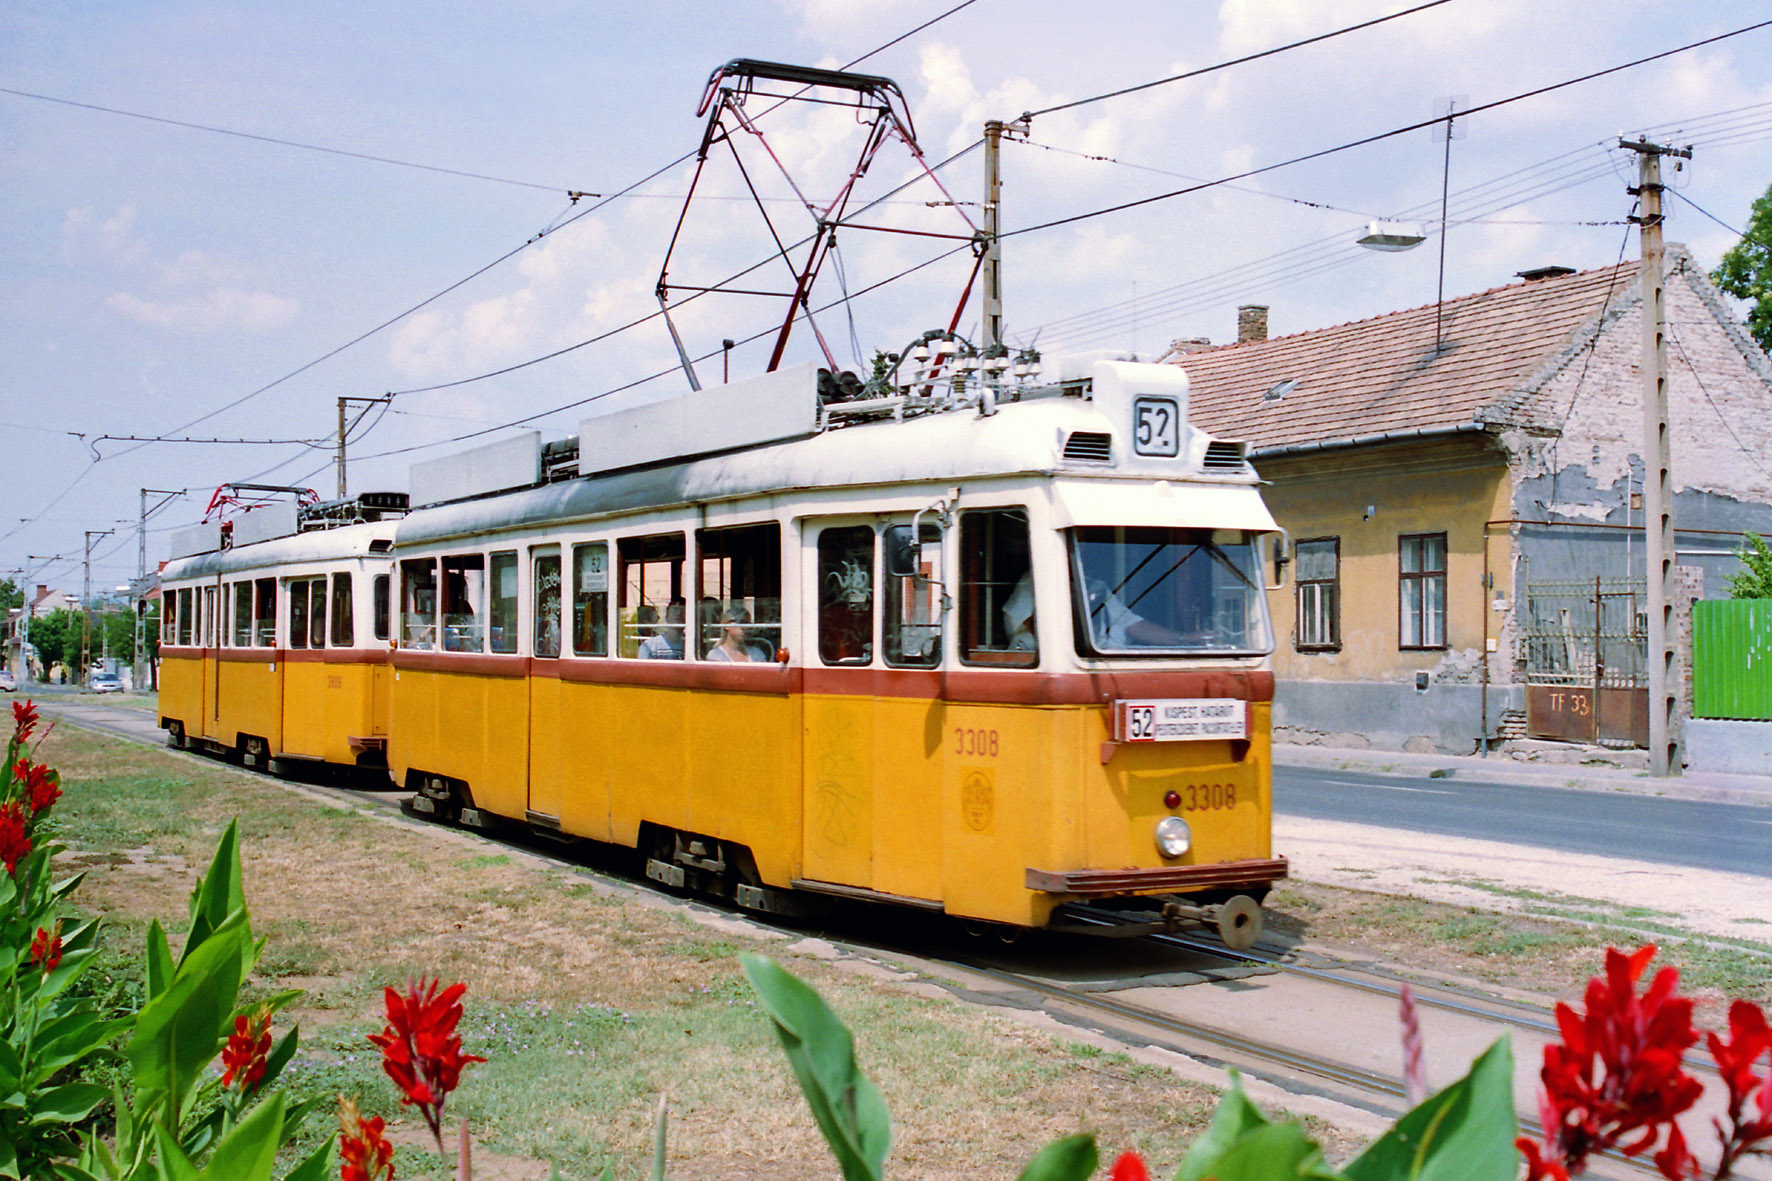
(1391, 236)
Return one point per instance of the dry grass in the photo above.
(589, 1004)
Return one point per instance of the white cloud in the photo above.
(216, 310)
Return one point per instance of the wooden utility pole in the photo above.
(1666, 749)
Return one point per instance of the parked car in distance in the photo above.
(104, 683)
(8, 683)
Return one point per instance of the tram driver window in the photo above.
(846, 595)
(997, 623)
(590, 599)
(740, 569)
(913, 605)
(298, 614)
(463, 599)
(418, 604)
(381, 593)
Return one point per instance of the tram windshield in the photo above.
(1159, 591)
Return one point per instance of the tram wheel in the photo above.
(255, 750)
(175, 735)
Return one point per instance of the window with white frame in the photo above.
(1318, 574)
(1421, 587)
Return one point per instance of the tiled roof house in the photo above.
(1446, 472)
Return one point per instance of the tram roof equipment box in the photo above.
(766, 409)
(496, 467)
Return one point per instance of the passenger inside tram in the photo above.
(732, 647)
(666, 641)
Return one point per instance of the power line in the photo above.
(604, 201)
(1383, 135)
(1233, 62)
(289, 143)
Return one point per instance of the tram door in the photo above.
(873, 647)
(838, 797)
(547, 762)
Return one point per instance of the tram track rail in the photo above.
(1379, 1094)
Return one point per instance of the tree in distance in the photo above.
(1746, 271)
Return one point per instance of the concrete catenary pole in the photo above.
(1666, 749)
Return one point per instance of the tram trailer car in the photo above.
(1003, 651)
(276, 651)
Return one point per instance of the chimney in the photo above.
(42, 590)
(1189, 344)
(1251, 323)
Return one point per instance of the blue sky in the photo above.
(157, 273)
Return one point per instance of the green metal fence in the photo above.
(1732, 659)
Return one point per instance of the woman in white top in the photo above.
(732, 648)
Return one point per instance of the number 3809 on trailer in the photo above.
(950, 641)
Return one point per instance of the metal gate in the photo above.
(1583, 647)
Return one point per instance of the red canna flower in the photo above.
(247, 1049)
(364, 1153)
(42, 786)
(1616, 1079)
(46, 949)
(24, 720)
(1130, 1167)
(1538, 1167)
(421, 1052)
(15, 841)
(1749, 1079)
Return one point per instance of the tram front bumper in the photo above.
(1178, 879)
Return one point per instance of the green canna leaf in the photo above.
(1072, 1158)
(1464, 1133)
(844, 1101)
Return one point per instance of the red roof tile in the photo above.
(1384, 375)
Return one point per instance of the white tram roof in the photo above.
(1054, 432)
(314, 547)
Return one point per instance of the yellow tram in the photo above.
(952, 642)
(275, 634)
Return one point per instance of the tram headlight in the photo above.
(1173, 836)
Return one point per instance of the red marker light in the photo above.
(1172, 799)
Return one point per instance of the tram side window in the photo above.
(740, 569)
(298, 614)
(418, 604)
(590, 599)
(997, 589)
(913, 605)
(651, 580)
(846, 595)
(464, 598)
(206, 617)
(184, 616)
(242, 634)
(264, 613)
(547, 606)
(317, 614)
(168, 616)
(381, 593)
(502, 615)
(343, 624)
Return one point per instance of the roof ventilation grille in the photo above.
(1089, 447)
(1222, 455)
(381, 545)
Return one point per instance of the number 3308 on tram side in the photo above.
(996, 651)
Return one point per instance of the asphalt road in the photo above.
(1731, 838)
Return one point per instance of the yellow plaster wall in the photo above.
(1436, 486)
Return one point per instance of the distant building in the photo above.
(43, 602)
(1458, 510)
